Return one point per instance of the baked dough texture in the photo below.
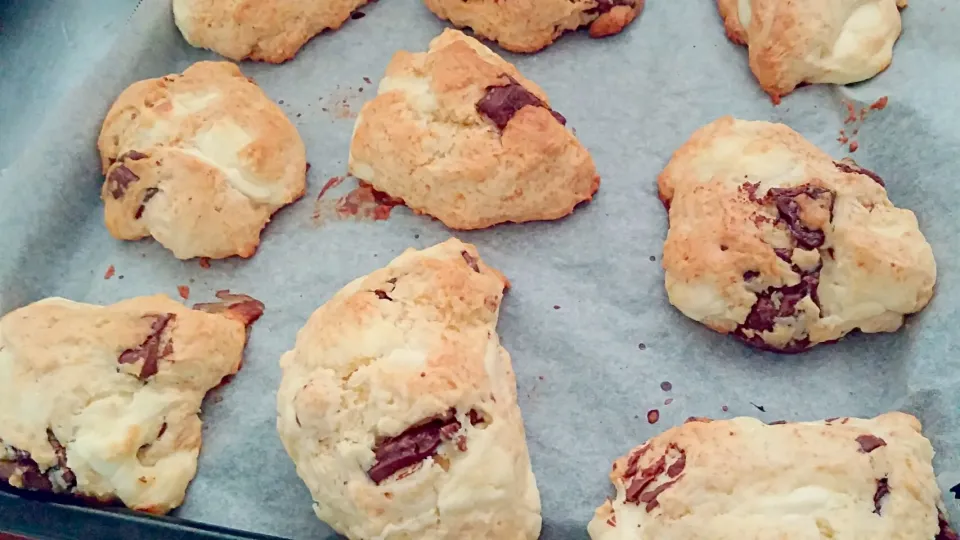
(399, 406)
(813, 41)
(739, 479)
(459, 134)
(773, 241)
(199, 161)
(264, 30)
(102, 402)
(527, 26)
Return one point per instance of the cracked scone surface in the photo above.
(264, 30)
(530, 25)
(740, 479)
(459, 134)
(200, 161)
(399, 407)
(772, 240)
(103, 402)
(813, 41)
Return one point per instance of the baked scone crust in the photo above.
(102, 402)
(424, 140)
(527, 26)
(813, 41)
(199, 161)
(772, 240)
(739, 479)
(409, 348)
(264, 30)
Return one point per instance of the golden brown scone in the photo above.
(459, 134)
(199, 161)
(773, 241)
(813, 41)
(530, 25)
(265, 30)
(399, 406)
(102, 402)
(839, 479)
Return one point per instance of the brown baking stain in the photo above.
(724, 408)
(668, 401)
(344, 102)
(362, 203)
(666, 386)
(109, 273)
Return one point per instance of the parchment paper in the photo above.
(585, 381)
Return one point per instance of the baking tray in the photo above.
(587, 321)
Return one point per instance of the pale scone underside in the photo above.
(843, 479)
(103, 402)
(813, 41)
(530, 25)
(199, 161)
(459, 134)
(773, 241)
(399, 407)
(265, 30)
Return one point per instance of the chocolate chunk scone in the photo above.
(773, 241)
(813, 41)
(843, 479)
(459, 134)
(399, 406)
(199, 161)
(266, 30)
(103, 402)
(527, 26)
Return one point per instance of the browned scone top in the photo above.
(398, 405)
(772, 240)
(530, 25)
(459, 134)
(739, 479)
(102, 402)
(200, 161)
(813, 41)
(266, 30)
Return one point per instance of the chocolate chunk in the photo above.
(869, 443)
(69, 479)
(604, 6)
(750, 274)
(852, 167)
(26, 469)
(133, 155)
(647, 476)
(382, 295)
(163, 429)
(501, 103)
(411, 447)
(149, 351)
(784, 254)
(471, 261)
(946, 533)
(789, 209)
(677, 466)
(650, 497)
(239, 307)
(777, 423)
(766, 310)
(357, 15)
(475, 417)
(750, 189)
(147, 195)
(883, 488)
(119, 179)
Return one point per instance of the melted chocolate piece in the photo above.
(133, 155)
(883, 488)
(56, 479)
(750, 274)
(784, 254)
(650, 497)
(475, 417)
(147, 195)
(239, 307)
(946, 533)
(869, 443)
(604, 6)
(382, 295)
(412, 446)
(471, 261)
(856, 169)
(647, 476)
(119, 179)
(789, 210)
(765, 311)
(66, 474)
(501, 103)
(149, 351)
(677, 466)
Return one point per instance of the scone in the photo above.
(265, 30)
(459, 134)
(103, 402)
(199, 161)
(530, 25)
(843, 479)
(773, 241)
(399, 406)
(813, 41)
